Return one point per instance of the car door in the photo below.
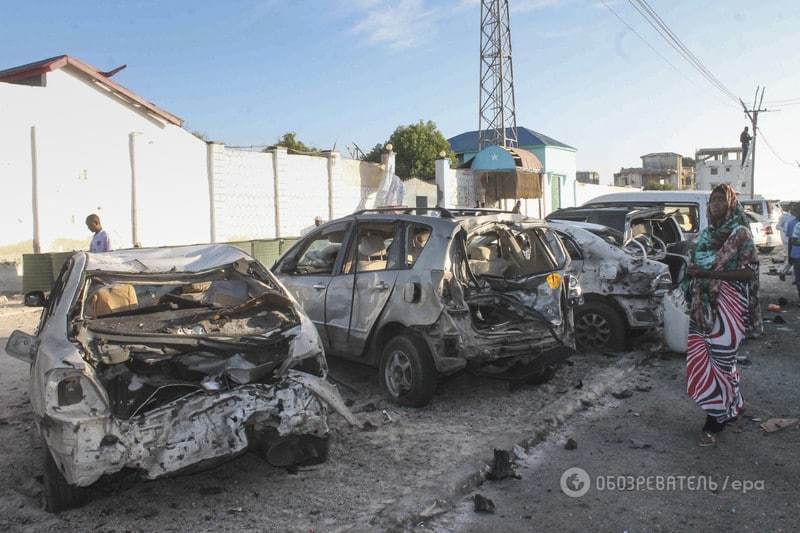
(308, 270)
(378, 257)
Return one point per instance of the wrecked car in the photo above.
(167, 360)
(623, 288)
(424, 295)
(655, 228)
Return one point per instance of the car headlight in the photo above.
(69, 390)
(71, 393)
(574, 291)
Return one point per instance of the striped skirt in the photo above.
(712, 376)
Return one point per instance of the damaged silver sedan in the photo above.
(421, 296)
(167, 360)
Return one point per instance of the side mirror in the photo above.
(22, 346)
(289, 265)
(35, 299)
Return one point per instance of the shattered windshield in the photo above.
(110, 294)
(505, 251)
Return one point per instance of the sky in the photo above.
(340, 72)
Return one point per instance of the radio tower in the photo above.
(497, 115)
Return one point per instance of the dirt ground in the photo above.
(371, 476)
(655, 432)
(367, 471)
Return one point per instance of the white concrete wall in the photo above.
(16, 218)
(83, 148)
(353, 183)
(85, 141)
(561, 162)
(244, 193)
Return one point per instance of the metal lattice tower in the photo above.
(497, 113)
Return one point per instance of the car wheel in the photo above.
(58, 494)
(406, 372)
(598, 326)
(766, 249)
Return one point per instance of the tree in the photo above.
(418, 146)
(290, 141)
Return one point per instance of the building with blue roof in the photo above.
(557, 158)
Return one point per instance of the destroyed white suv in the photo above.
(424, 295)
(162, 360)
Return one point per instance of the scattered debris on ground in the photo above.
(637, 444)
(621, 395)
(776, 424)
(502, 467)
(571, 444)
(483, 504)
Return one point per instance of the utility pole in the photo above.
(752, 114)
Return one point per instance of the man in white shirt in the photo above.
(101, 242)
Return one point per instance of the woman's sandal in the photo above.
(708, 439)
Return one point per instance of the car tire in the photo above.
(406, 371)
(59, 495)
(598, 327)
(766, 249)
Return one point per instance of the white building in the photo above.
(80, 143)
(722, 165)
(90, 145)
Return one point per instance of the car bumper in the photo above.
(197, 429)
(642, 312)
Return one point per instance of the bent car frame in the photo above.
(167, 360)
(420, 296)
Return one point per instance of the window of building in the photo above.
(727, 169)
(714, 171)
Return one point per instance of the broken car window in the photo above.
(320, 254)
(510, 253)
(417, 237)
(374, 247)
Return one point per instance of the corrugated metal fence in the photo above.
(40, 270)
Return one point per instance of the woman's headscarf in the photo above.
(724, 245)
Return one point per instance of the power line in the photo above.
(774, 152)
(666, 33)
(645, 41)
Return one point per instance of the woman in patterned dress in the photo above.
(722, 275)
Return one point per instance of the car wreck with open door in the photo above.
(623, 286)
(425, 295)
(167, 360)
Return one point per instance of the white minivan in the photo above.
(690, 208)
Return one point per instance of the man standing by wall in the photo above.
(101, 242)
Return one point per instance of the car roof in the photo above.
(649, 196)
(446, 219)
(192, 258)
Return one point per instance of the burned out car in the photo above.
(423, 295)
(623, 288)
(167, 360)
(656, 229)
